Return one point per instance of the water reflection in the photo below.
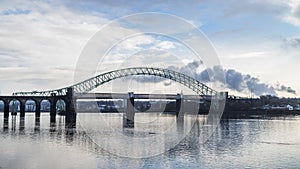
(37, 124)
(5, 124)
(13, 123)
(239, 143)
(22, 125)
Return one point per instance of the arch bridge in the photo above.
(92, 83)
(71, 93)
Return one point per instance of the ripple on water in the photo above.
(235, 144)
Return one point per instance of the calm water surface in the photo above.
(242, 143)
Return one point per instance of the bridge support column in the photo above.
(53, 109)
(128, 121)
(6, 109)
(38, 109)
(70, 109)
(22, 109)
(179, 106)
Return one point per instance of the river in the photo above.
(100, 141)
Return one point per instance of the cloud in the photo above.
(283, 88)
(258, 88)
(16, 11)
(134, 43)
(124, 7)
(243, 83)
(236, 8)
(293, 14)
(232, 79)
(48, 36)
(40, 81)
(166, 45)
(11, 58)
(36, 39)
(292, 42)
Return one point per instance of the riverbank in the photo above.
(258, 113)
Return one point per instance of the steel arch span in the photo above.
(94, 82)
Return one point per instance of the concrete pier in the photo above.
(53, 109)
(22, 109)
(70, 108)
(37, 110)
(179, 105)
(6, 110)
(128, 121)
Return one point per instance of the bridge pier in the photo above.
(22, 109)
(37, 109)
(128, 120)
(70, 109)
(179, 105)
(53, 109)
(6, 109)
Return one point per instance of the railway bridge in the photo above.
(71, 93)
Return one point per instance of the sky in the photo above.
(257, 42)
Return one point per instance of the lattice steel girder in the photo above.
(94, 82)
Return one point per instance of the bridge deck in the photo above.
(136, 96)
(109, 96)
